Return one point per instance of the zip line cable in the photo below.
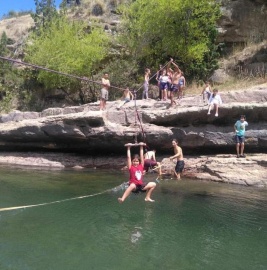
(86, 79)
(57, 72)
(115, 189)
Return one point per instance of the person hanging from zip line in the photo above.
(175, 76)
(150, 161)
(136, 171)
(104, 91)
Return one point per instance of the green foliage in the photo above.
(123, 73)
(68, 48)
(182, 29)
(45, 12)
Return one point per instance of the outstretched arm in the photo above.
(129, 160)
(177, 69)
(142, 154)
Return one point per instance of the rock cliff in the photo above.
(86, 129)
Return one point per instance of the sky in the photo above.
(18, 5)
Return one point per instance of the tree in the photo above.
(182, 29)
(45, 12)
(68, 48)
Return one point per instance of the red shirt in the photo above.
(136, 175)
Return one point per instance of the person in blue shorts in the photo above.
(240, 128)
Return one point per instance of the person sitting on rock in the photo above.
(126, 97)
(214, 101)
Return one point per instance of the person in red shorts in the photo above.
(150, 161)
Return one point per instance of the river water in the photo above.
(191, 225)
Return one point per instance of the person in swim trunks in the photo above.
(240, 128)
(178, 155)
(163, 84)
(136, 169)
(175, 75)
(150, 161)
(104, 91)
(181, 85)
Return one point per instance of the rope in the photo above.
(136, 112)
(122, 186)
(57, 72)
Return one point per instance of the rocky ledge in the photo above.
(88, 130)
(249, 171)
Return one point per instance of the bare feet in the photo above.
(149, 200)
(120, 200)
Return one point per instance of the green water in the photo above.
(192, 225)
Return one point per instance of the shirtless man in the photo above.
(176, 74)
(178, 154)
(104, 91)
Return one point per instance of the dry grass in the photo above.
(233, 85)
(15, 28)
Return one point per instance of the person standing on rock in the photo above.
(182, 84)
(206, 92)
(240, 128)
(175, 76)
(136, 170)
(104, 91)
(146, 84)
(178, 155)
(159, 74)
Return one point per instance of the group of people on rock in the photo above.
(170, 80)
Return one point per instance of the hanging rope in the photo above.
(137, 116)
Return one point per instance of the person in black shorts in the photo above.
(178, 155)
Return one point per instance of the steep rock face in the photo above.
(243, 21)
(85, 128)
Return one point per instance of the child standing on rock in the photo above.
(240, 127)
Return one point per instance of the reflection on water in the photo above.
(191, 225)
